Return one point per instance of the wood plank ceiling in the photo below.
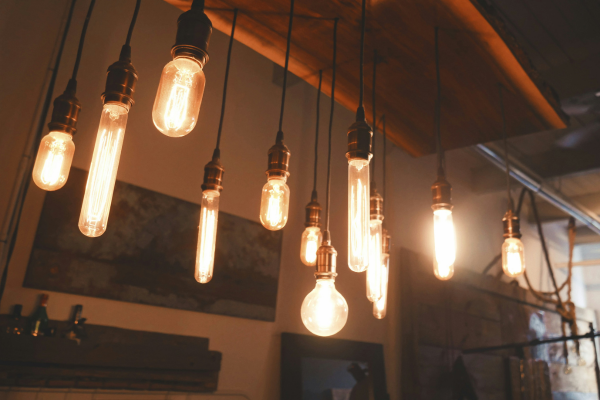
(476, 55)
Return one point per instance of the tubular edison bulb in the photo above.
(53, 161)
(207, 238)
(374, 289)
(324, 310)
(311, 241)
(513, 257)
(179, 97)
(358, 215)
(380, 306)
(275, 203)
(445, 244)
(103, 171)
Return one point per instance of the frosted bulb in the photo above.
(445, 244)
(374, 289)
(103, 170)
(53, 161)
(179, 96)
(324, 310)
(207, 237)
(513, 257)
(358, 215)
(311, 241)
(275, 204)
(380, 306)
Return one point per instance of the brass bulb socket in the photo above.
(65, 112)
(121, 79)
(326, 261)
(313, 214)
(360, 136)
(441, 192)
(376, 204)
(213, 175)
(386, 242)
(193, 34)
(512, 226)
(279, 161)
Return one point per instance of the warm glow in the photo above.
(274, 204)
(311, 241)
(380, 306)
(513, 257)
(445, 244)
(103, 170)
(374, 290)
(53, 161)
(358, 215)
(179, 97)
(207, 237)
(324, 311)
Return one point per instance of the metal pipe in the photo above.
(533, 182)
(534, 342)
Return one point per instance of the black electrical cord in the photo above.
(328, 200)
(285, 72)
(505, 139)
(438, 106)
(373, 97)
(314, 193)
(82, 39)
(360, 113)
(132, 24)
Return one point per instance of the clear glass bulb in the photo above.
(374, 289)
(179, 96)
(380, 306)
(358, 215)
(103, 170)
(311, 241)
(445, 244)
(324, 310)
(275, 204)
(513, 257)
(53, 161)
(207, 237)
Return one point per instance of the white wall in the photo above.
(175, 167)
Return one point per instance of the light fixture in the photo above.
(324, 311)
(179, 95)
(55, 154)
(359, 155)
(443, 225)
(211, 191)
(275, 200)
(513, 251)
(312, 236)
(380, 306)
(118, 99)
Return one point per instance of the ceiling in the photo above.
(477, 53)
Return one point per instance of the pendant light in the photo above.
(443, 226)
(181, 86)
(211, 192)
(374, 288)
(55, 154)
(513, 251)
(359, 155)
(324, 311)
(312, 235)
(118, 99)
(380, 306)
(275, 200)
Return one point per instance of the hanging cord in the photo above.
(373, 98)
(441, 158)
(360, 113)
(384, 164)
(285, 72)
(314, 193)
(132, 24)
(505, 139)
(82, 39)
(217, 152)
(327, 200)
(38, 137)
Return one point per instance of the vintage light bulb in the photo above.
(513, 257)
(358, 215)
(374, 289)
(274, 204)
(380, 306)
(311, 241)
(324, 310)
(445, 244)
(207, 238)
(53, 161)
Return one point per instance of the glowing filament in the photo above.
(207, 238)
(445, 244)
(358, 215)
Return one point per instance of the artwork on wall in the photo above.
(147, 254)
(317, 368)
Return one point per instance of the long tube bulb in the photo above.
(103, 170)
(311, 241)
(275, 204)
(324, 311)
(380, 306)
(207, 237)
(374, 281)
(179, 96)
(358, 215)
(53, 161)
(445, 244)
(513, 257)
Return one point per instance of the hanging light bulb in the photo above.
(312, 236)
(380, 306)
(513, 251)
(443, 230)
(275, 200)
(374, 271)
(179, 96)
(118, 99)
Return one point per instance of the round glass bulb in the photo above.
(311, 241)
(53, 161)
(324, 311)
(445, 244)
(513, 257)
(275, 204)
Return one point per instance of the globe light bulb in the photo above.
(53, 161)
(358, 215)
(179, 97)
(445, 244)
(324, 311)
(380, 306)
(311, 241)
(374, 281)
(207, 238)
(513, 257)
(103, 170)
(275, 203)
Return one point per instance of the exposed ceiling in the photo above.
(476, 51)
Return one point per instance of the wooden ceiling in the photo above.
(476, 55)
